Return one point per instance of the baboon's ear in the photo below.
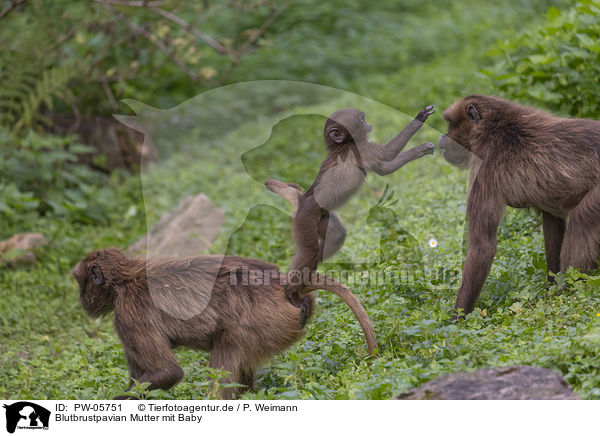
(336, 135)
(473, 113)
(96, 275)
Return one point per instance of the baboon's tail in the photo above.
(322, 282)
(292, 192)
(289, 191)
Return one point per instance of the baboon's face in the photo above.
(96, 275)
(345, 126)
(463, 118)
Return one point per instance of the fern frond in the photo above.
(26, 98)
(31, 75)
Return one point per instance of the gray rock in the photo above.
(188, 230)
(17, 250)
(505, 383)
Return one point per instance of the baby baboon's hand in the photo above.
(427, 148)
(424, 114)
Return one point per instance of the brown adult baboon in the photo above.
(318, 232)
(243, 315)
(524, 157)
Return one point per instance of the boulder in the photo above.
(188, 230)
(504, 383)
(17, 250)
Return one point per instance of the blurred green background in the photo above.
(66, 66)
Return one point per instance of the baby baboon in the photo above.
(243, 316)
(318, 232)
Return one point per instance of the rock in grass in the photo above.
(188, 230)
(505, 383)
(17, 250)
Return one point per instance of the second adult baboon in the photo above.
(524, 157)
(241, 313)
(318, 233)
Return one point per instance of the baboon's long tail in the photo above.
(289, 191)
(322, 282)
(292, 193)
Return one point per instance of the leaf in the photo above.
(552, 14)
(516, 307)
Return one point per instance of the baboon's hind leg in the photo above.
(582, 238)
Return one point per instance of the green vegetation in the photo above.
(406, 56)
(553, 64)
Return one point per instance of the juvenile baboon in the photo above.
(318, 232)
(243, 316)
(524, 157)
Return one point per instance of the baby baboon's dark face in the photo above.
(96, 274)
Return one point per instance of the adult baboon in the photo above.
(524, 157)
(242, 317)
